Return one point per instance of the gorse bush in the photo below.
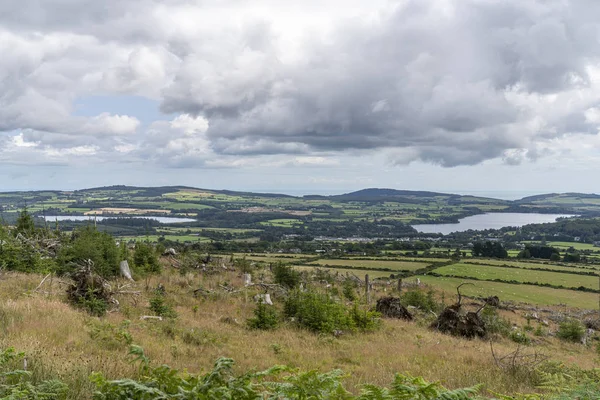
(265, 317)
(286, 275)
(572, 331)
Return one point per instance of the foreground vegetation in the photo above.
(65, 303)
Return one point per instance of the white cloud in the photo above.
(281, 84)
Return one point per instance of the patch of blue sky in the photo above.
(144, 109)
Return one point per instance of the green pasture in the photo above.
(513, 292)
(343, 271)
(401, 258)
(274, 255)
(174, 238)
(489, 273)
(532, 265)
(282, 222)
(367, 264)
(566, 245)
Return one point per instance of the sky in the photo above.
(327, 96)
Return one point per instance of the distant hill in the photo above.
(376, 192)
(561, 198)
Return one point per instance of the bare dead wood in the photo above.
(42, 282)
(458, 291)
(145, 317)
(517, 359)
(270, 287)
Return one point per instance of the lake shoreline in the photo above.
(485, 221)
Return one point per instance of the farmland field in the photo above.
(514, 292)
(566, 245)
(358, 272)
(483, 272)
(375, 264)
(531, 265)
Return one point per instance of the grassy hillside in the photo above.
(66, 343)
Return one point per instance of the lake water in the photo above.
(489, 221)
(162, 220)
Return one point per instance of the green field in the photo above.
(274, 255)
(174, 238)
(429, 260)
(517, 293)
(343, 271)
(566, 245)
(375, 264)
(484, 272)
(531, 265)
(282, 222)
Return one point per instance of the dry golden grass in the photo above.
(58, 339)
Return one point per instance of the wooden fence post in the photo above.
(399, 285)
(367, 289)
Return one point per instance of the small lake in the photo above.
(489, 221)
(162, 220)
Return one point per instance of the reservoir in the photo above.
(489, 221)
(162, 220)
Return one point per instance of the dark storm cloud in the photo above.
(454, 82)
(428, 76)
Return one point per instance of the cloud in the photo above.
(447, 82)
(443, 81)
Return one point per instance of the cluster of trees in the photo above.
(489, 249)
(27, 248)
(544, 252)
(588, 230)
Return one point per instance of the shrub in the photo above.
(24, 224)
(159, 306)
(572, 331)
(145, 259)
(265, 317)
(519, 336)
(111, 336)
(349, 290)
(365, 320)
(418, 298)
(245, 266)
(16, 255)
(317, 312)
(93, 304)
(494, 323)
(89, 243)
(286, 275)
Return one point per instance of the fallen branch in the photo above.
(42, 282)
(145, 317)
